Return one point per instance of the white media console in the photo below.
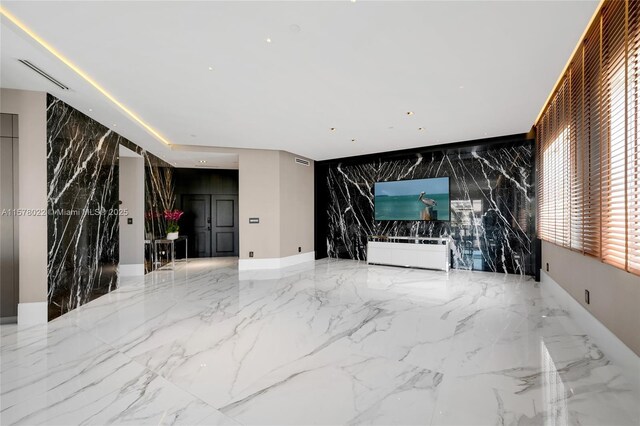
(416, 252)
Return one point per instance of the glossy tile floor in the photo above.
(335, 342)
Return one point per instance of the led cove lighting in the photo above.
(82, 74)
(409, 112)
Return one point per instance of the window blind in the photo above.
(588, 148)
(633, 138)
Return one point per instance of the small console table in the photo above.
(416, 252)
(172, 245)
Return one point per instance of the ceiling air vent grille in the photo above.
(303, 162)
(42, 73)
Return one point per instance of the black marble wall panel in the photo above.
(83, 225)
(82, 177)
(492, 202)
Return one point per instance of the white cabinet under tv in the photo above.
(428, 253)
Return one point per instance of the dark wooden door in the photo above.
(225, 225)
(196, 224)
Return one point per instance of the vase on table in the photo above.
(172, 217)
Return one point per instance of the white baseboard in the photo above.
(132, 270)
(276, 263)
(607, 342)
(32, 314)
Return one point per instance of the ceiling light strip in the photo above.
(81, 73)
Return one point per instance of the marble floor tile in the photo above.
(330, 342)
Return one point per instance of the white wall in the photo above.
(32, 194)
(131, 188)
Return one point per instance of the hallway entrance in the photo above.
(209, 199)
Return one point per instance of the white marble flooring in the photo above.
(331, 342)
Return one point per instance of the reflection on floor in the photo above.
(332, 342)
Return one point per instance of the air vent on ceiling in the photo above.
(44, 74)
(303, 162)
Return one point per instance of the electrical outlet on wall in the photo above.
(547, 266)
(299, 249)
(250, 254)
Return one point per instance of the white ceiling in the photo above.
(467, 70)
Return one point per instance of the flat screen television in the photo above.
(417, 199)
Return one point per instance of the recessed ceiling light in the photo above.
(409, 112)
(353, 1)
(90, 109)
(210, 68)
(203, 161)
(268, 40)
(115, 125)
(333, 129)
(421, 128)
(353, 140)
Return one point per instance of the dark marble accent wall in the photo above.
(82, 178)
(492, 202)
(83, 203)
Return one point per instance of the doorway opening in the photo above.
(209, 199)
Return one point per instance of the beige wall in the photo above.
(131, 187)
(614, 293)
(259, 196)
(32, 189)
(296, 206)
(275, 189)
